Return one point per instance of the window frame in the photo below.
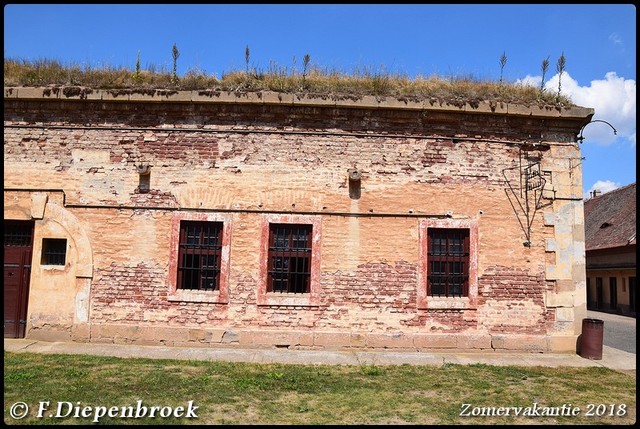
(426, 301)
(311, 298)
(51, 248)
(221, 295)
(288, 273)
(199, 253)
(451, 262)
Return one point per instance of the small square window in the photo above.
(54, 251)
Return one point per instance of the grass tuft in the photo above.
(314, 80)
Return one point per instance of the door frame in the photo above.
(24, 262)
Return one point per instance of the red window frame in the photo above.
(468, 300)
(289, 258)
(199, 255)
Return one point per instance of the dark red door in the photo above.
(18, 245)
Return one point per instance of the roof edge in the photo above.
(290, 99)
(619, 245)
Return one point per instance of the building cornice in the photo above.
(71, 93)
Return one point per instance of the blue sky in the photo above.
(598, 42)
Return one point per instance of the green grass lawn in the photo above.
(57, 387)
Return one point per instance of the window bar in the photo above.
(300, 259)
(203, 255)
(286, 263)
(451, 257)
(275, 258)
(299, 285)
(286, 260)
(188, 266)
(289, 252)
(295, 243)
(180, 258)
(278, 263)
(448, 263)
(307, 260)
(55, 256)
(286, 256)
(193, 248)
(453, 254)
(457, 267)
(271, 262)
(464, 267)
(205, 266)
(218, 258)
(212, 259)
(187, 256)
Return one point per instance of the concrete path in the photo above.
(611, 358)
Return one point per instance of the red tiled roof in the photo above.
(610, 219)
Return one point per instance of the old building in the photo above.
(610, 240)
(278, 220)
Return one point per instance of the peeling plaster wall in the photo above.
(58, 305)
(249, 161)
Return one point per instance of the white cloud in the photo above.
(530, 81)
(615, 39)
(613, 99)
(603, 186)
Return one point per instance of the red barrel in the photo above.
(591, 338)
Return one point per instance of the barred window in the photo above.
(17, 234)
(289, 266)
(448, 262)
(199, 255)
(54, 251)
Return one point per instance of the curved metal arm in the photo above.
(581, 137)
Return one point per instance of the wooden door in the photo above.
(18, 247)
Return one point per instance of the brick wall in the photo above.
(253, 160)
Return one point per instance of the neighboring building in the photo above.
(610, 241)
(276, 220)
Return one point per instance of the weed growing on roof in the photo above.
(247, 53)
(137, 77)
(544, 67)
(175, 53)
(560, 67)
(305, 63)
(315, 81)
(503, 62)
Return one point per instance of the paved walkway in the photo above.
(611, 358)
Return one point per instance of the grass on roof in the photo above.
(315, 80)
